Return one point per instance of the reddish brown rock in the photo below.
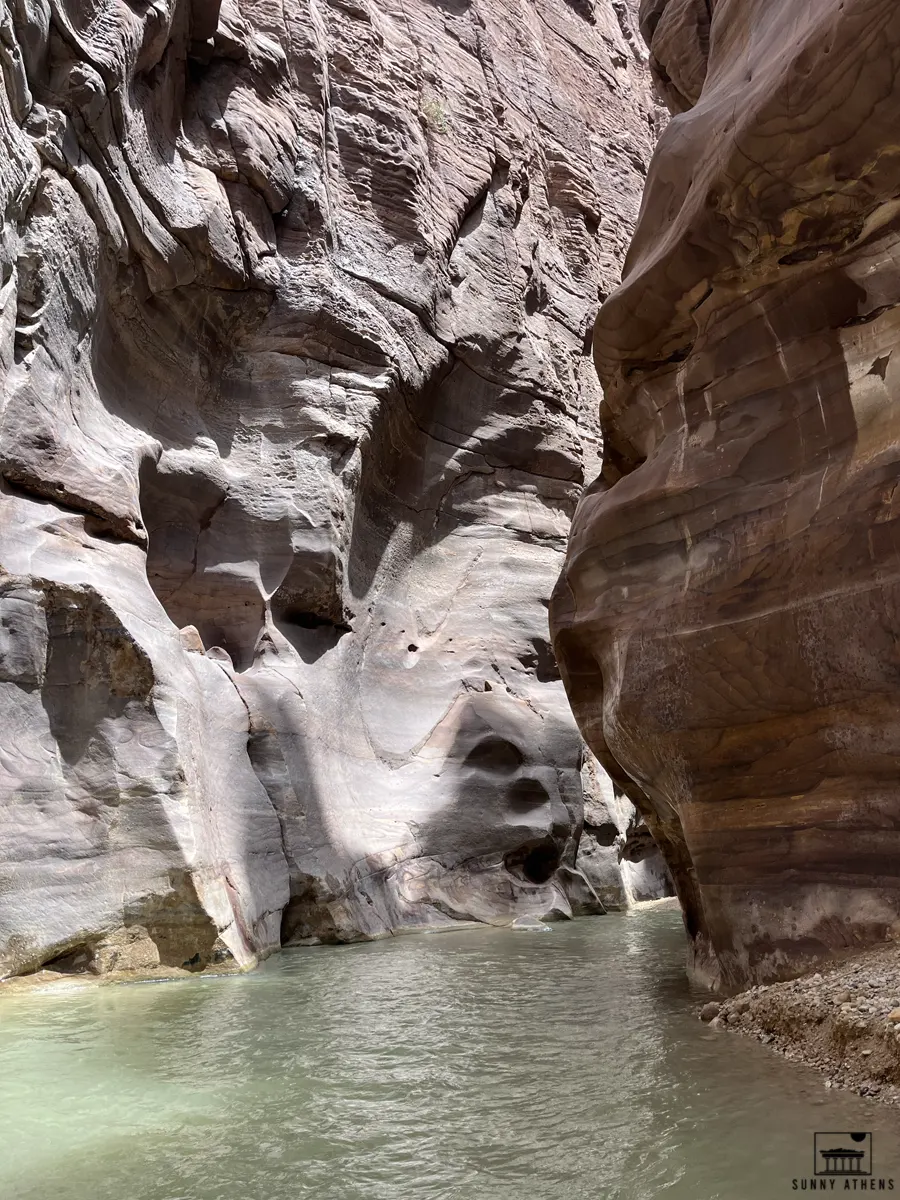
(729, 613)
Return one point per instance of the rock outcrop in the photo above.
(727, 621)
(295, 311)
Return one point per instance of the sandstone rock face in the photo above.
(296, 404)
(728, 615)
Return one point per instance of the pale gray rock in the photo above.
(616, 852)
(295, 314)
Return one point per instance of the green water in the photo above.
(479, 1065)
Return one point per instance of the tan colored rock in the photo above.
(191, 640)
(126, 949)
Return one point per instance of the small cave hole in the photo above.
(75, 961)
(535, 862)
(585, 10)
(605, 834)
(879, 366)
(412, 648)
(311, 634)
(526, 795)
(495, 754)
(311, 620)
(541, 660)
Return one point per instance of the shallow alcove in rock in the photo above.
(534, 861)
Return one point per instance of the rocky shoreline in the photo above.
(843, 1020)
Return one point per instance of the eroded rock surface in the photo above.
(616, 852)
(728, 615)
(296, 404)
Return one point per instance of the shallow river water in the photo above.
(479, 1065)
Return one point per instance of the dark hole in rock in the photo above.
(495, 754)
(535, 861)
(706, 295)
(193, 964)
(306, 916)
(805, 254)
(312, 634)
(412, 648)
(585, 9)
(639, 845)
(879, 366)
(605, 834)
(73, 962)
(526, 794)
(541, 660)
(311, 620)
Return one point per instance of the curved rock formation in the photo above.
(295, 410)
(728, 615)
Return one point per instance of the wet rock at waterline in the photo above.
(296, 404)
(727, 620)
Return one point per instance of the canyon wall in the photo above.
(729, 614)
(297, 401)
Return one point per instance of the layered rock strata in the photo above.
(727, 620)
(294, 314)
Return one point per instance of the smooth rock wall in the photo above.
(729, 614)
(295, 316)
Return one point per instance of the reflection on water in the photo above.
(479, 1065)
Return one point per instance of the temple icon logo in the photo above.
(844, 1154)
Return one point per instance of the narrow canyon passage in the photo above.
(450, 487)
(478, 1065)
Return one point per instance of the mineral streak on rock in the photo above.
(729, 613)
(296, 404)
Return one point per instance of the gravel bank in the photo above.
(844, 1020)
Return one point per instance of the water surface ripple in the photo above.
(478, 1065)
